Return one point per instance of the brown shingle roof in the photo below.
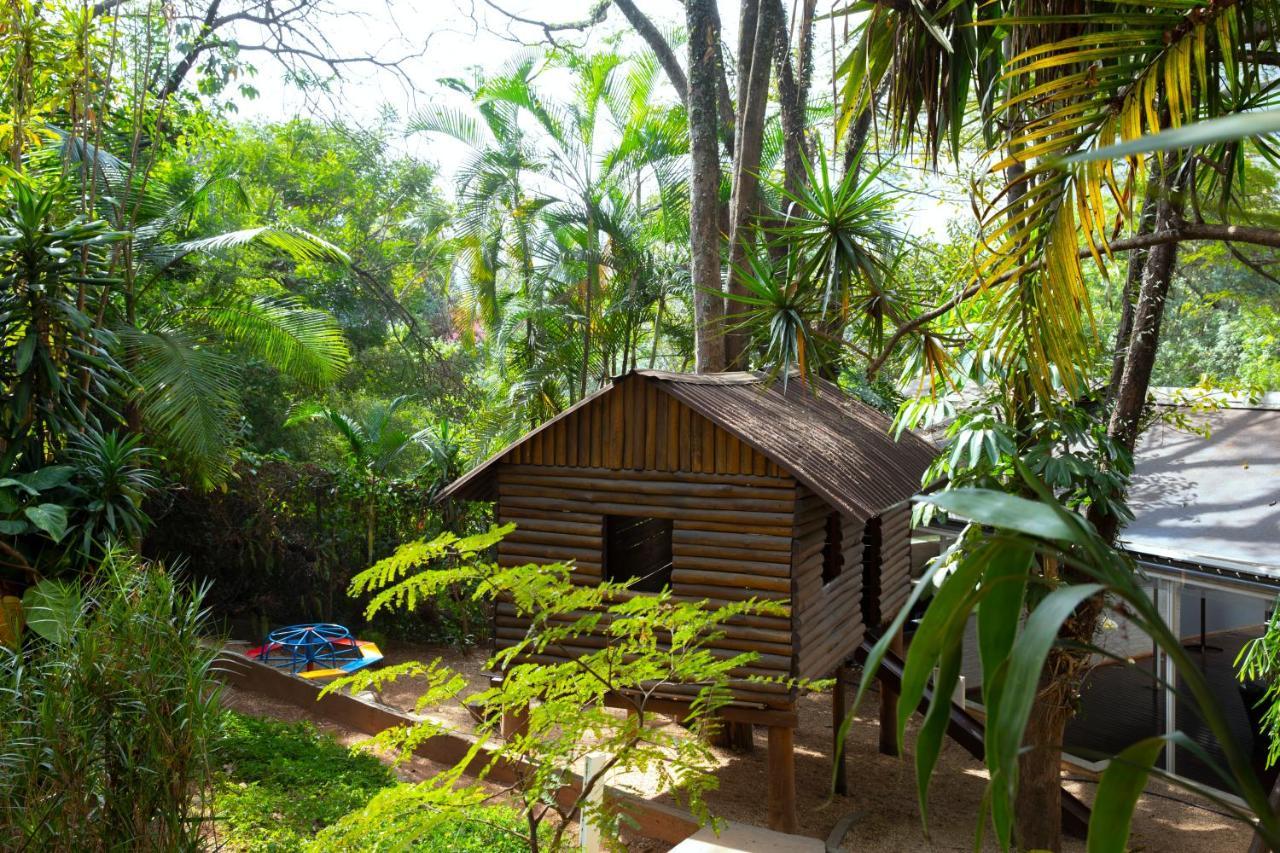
(838, 447)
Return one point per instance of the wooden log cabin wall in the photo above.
(724, 487)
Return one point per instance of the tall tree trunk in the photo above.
(1148, 313)
(1038, 806)
(704, 186)
(755, 54)
(593, 285)
(794, 75)
(1132, 284)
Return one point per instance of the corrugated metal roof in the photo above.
(1217, 498)
(840, 448)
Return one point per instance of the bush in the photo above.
(284, 781)
(389, 820)
(106, 715)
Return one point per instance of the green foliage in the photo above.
(651, 643)
(282, 782)
(58, 364)
(1259, 660)
(395, 815)
(997, 574)
(107, 714)
(68, 514)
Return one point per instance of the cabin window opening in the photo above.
(639, 548)
(833, 549)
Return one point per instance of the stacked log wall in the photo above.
(887, 564)
(639, 452)
(827, 616)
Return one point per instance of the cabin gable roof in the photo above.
(838, 447)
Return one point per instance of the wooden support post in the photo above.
(839, 708)
(515, 722)
(741, 736)
(889, 708)
(782, 779)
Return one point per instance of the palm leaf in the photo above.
(302, 342)
(187, 396)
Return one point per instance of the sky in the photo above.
(448, 38)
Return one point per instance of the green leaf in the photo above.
(26, 349)
(13, 527)
(49, 477)
(1122, 783)
(51, 518)
(1022, 682)
(52, 608)
(1010, 512)
(929, 740)
(1196, 135)
(1004, 585)
(302, 342)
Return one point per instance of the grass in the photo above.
(282, 783)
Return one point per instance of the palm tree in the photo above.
(180, 352)
(373, 445)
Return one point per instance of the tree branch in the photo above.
(1221, 232)
(661, 49)
(595, 16)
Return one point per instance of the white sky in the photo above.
(454, 36)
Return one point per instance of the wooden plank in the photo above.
(590, 479)
(650, 458)
(660, 405)
(617, 426)
(730, 566)
(686, 579)
(688, 501)
(552, 471)
(686, 535)
(708, 430)
(673, 432)
(767, 561)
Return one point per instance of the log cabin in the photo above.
(723, 487)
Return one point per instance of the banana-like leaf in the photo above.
(52, 608)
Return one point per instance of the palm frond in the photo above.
(301, 342)
(187, 397)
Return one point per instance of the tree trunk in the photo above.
(793, 90)
(704, 187)
(593, 284)
(1038, 807)
(1144, 340)
(1132, 284)
(755, 54)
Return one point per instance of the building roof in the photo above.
(840, 448)
(1210, 500)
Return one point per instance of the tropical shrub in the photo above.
(996, 570)
(652, 641)
(107, 714)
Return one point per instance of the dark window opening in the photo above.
(833, 549)
(638, 548)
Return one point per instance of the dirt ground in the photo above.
(882, 789)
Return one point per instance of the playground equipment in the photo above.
(316, 650)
